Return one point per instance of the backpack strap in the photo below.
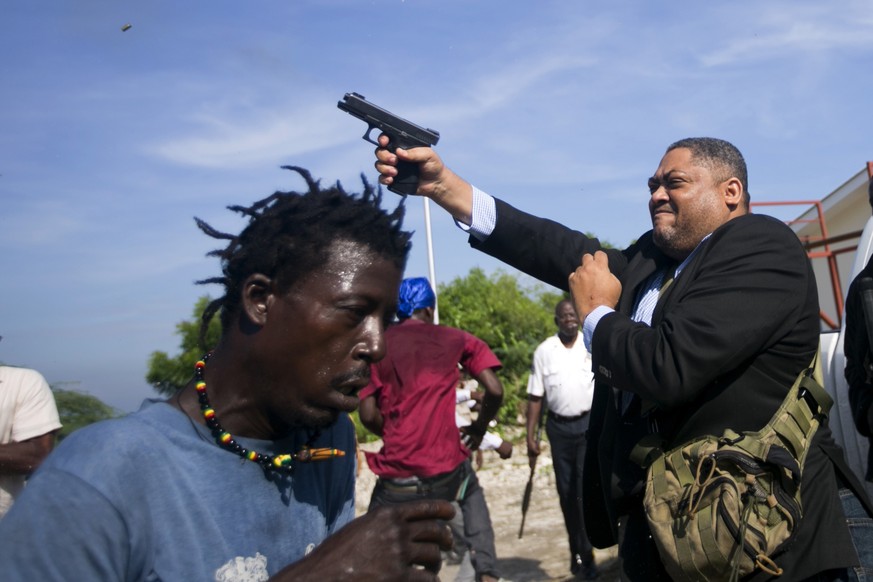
(794, 423)
(649, 448)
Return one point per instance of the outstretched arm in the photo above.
(435, 180)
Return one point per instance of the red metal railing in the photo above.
(824, 241)
(812, 241)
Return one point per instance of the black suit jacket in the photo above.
(727, 340)
(857, 350)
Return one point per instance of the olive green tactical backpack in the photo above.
(720, 508)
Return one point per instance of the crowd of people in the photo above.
(248, 472)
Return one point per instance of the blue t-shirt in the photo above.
(152, 497)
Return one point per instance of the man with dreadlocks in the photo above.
(247, 473)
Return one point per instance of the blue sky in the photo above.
(111, 141)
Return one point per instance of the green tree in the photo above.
(77, 410)
(168, 374)
(511, 317)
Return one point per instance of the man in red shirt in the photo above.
(410, 403)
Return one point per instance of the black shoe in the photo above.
(588, 572)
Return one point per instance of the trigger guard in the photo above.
(369, 138)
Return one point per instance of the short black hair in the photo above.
(721, 157)
(290, 234)
(563, 301)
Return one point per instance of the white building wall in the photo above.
(846, 210)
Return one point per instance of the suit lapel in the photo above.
(639, 271)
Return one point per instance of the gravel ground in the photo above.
(542, 555)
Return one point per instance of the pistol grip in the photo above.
(406, 180)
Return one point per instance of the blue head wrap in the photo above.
(415, 293)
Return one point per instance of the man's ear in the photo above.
(257, 296)
(733, 193)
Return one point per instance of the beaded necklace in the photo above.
(281, 463)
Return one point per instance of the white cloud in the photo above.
(227, 139)
(792, 31)
(523, 76)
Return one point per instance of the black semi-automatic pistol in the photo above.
(401, 134)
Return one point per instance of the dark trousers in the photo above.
(567, 441)
(638, 558)
(478, 533)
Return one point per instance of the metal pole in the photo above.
(430, 268)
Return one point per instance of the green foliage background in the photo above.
(77, 409)
(511, 317)
(168, 374)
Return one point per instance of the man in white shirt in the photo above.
(561, 373)
(28, 423)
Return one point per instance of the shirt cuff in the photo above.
(490, 442)
(591, 322)
(484, 216)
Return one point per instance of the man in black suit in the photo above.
(710, 316)
(859, 360)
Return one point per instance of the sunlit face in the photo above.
(686, 204)
(323, 334)
(566, 320)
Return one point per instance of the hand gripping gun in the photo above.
(401, 134)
